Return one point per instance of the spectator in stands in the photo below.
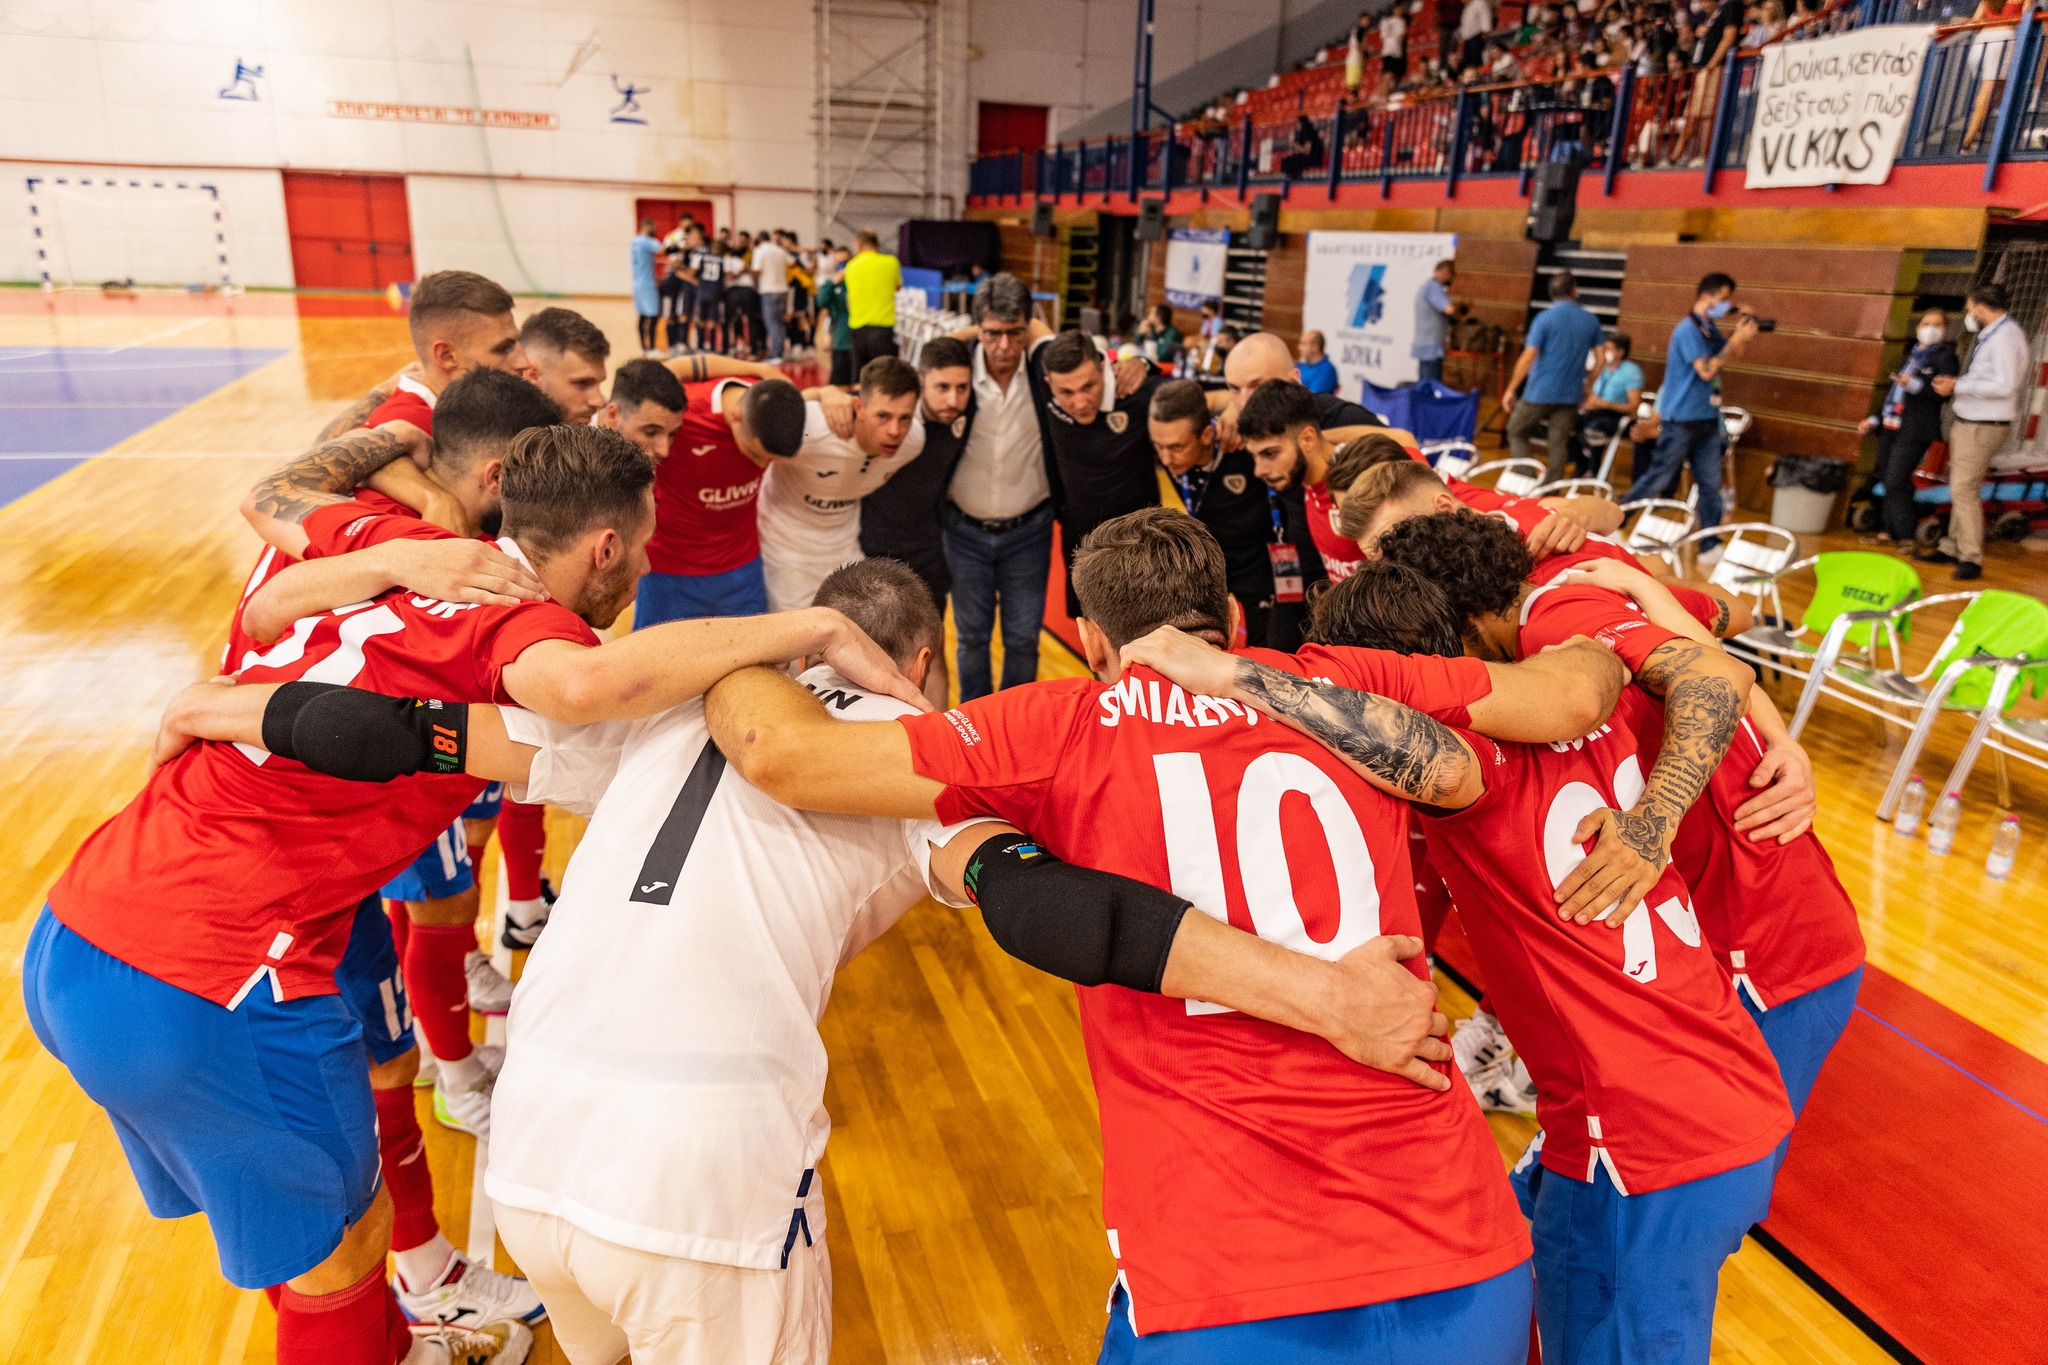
(771, 268)
(1986, 403)
(1394, 43)
(1549, 380)
(1435, 309)
(872, 280)
(1212, 318)
(646, 293)
(1307, 151)
(1616, 391)
(1503, 69)
(1475, 21)
(1768, 24)
(1158, 339)
(1908, 421)
(1691, 435)
(1315, 371)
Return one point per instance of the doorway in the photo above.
(348, 231)
(668, 214)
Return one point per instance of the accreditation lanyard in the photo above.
(1286, 557)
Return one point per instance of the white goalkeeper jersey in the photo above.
(809, 515)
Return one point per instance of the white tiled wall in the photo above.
(724, 90)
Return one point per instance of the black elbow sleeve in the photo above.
(365, 736)
(1092, 928)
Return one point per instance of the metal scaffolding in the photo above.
(879, 105)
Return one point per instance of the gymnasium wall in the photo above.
(720, 108)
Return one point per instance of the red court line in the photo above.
(1913, 1184)
(1056, 618)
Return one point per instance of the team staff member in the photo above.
(1434, 312)
(1221, 489)
(705, 557)
(566, 354)
(647, 294)
(872, 280)
(1986, 397)
(1549, 379)
(1101, 441)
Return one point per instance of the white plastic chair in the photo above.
(1453, 459)
(1751, 551)
(1659, 524)
(1575, 488)
(1516, 478)
(2022, 737)
(1735, 423)
(1645, 410)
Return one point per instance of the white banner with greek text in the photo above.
(1832, 111)
(1362, 293)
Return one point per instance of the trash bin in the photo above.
(1803, 491)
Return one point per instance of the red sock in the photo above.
(401, 926)
(476, 860)
(359, 1326)
(403, 1154)
(522, 838)
(439, 990)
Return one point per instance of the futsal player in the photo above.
(1661, 1106)
(705, 557)
(566, 354)
(810, 509)
(704, 266)
(645, 406)
(1215, 1126)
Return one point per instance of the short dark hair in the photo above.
(1622, 341)
(1383, 605)
(866, 236)
(1276, 408)
(648, 381)
(1478, 561)
(774, 411)
(1154, 567)
(888, 601)
(1354, 457)
(445, 293)
(480, 412)
(1714, 282)
(888, 377)
(563, 329)
(564, 481)
(944, 353)
(1992, 295)
(1376, 486)
(1564, 285)
(1004, 297)
(1180, 400)
(1068, 352)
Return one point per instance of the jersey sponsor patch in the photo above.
(964, 725)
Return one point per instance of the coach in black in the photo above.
(1101, 444)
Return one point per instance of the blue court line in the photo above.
(1955, 1066)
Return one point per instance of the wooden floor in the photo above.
(965, 1162)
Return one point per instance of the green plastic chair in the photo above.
(1852, 591)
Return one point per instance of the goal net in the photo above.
(145, 232)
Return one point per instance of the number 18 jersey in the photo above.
(1249, 1171)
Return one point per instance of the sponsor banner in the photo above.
(1362, 292)
(1832, 111)
(1195, 258)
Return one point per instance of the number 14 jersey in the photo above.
(1249, 1171)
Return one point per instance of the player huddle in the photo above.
(1238, 857)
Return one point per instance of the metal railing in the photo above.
(1981, 100)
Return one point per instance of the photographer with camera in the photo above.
(1435, 311)
(1691, 434)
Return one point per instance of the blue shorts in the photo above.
(259, 1117)
(1803, 1030)
(485, 807)
(371, 985)
(1627, 1279)
(1477, 1324)
(690, 597)
(440, 872)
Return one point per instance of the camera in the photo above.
(1763, 324)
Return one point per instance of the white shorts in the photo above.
(607, 1301)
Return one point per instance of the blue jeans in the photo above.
(1010, 566)
(773, 307)
(1431, 371)
(1679, 445)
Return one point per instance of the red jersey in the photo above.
(1554, 613)
(234, 865)
(704, 492)
(1340, 556)
(1644, 1060)
(411, 401)
(274, 561)
(1524, 514)
(1249, 1171)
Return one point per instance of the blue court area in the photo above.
(62, 405)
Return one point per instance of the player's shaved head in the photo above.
(1383, 605)
(888, 601)
(1255, 360)
(1479, 562)
(1154, 567)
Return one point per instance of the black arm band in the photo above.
(1092, 928)
(365, 736)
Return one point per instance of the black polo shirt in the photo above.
(903, 514)
(1232, 501)
(1106, 468)
(1333, 411)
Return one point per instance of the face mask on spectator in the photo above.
(1719, 308)
(1970, 323)
(1930, 335)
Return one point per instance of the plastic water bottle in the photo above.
(2005, 848)
(1941, 829)
(1906, 820)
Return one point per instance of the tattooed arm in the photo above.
(354, 415)
(329, 473)
(1402, 752)
(695, 369)
(1704, 694)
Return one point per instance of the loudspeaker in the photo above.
(1553, 201)
(1265, 230)
(1041, 220)
(1152, 220)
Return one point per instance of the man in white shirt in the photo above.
(1394, 44)
(1475, 21)
(809, 517)
(1985, 403)
(771, 263)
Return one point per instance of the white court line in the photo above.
(483, 1219)
(163, 369)
(159, 336)
(150, 454)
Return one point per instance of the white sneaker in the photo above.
(524, 920)
(1505, 1087)
(1479, 1042)
(497, 1343)
(469, 1295)
(466, 1111)
(430, 1070)
(492, 1058)
(490, 990)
